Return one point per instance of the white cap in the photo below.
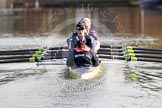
(87, 19)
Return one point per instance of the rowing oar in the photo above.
(44, 55)
(130, 54)
(129, 58)
(33, 59)
(14, 52)
(48, 53)
(63, 54)
(130, 51)
(122, 56)
(111, 48)
(51, 63)
(29, 51)
(31, 55)
(130, 47)
(51, 54)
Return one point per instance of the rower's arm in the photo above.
(71, 41)
(95, 60)
(90, 42)
(70, 60)
(97, 47)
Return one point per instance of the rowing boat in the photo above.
(85, 72)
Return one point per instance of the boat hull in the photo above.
(85, 72)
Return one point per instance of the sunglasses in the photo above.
(80, 29)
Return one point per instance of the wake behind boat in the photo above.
(85, 72)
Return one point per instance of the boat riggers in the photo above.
(32, 55)
(40, 55)
(130, 53)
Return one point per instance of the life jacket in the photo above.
(92, 33)
(82, 57)
(90, 38)
(90, 42)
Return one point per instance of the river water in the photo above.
(123, 85)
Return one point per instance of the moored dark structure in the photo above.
(63, 3)
(150, 3)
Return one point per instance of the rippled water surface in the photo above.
(123, 85)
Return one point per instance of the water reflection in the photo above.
(12, 72)
(133, 20)
(130, 21)
(147, 75)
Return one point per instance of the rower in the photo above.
(91, 32)
(80, 31)
(82, 55)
